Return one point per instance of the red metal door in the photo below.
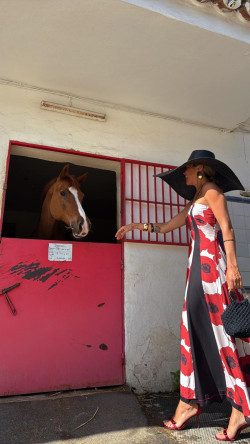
(68, 330)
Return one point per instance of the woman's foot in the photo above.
(182, 414)
(237, 420)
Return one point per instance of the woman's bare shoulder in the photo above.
(211, 186)
(211, 194)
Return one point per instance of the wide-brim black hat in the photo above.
(225, 177)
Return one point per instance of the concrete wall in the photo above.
(154, 274)
(240, 216)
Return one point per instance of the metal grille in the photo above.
(149, 199)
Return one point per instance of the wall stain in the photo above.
(34, 271)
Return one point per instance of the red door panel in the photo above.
(68, 329)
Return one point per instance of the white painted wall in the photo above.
(154, 292)
(240, 216)
(154, 274)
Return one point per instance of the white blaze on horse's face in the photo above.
(85, 226)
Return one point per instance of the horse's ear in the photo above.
(64, 172)
(82, 178)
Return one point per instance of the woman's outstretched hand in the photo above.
(123, 230)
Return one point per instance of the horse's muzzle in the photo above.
(80, 230)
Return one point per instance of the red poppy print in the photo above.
(208, 271)
(185, 334)
(245, 368)
(186, 362)
(224, 294)
(206, 243)
(241, 400)
(217, 254)
(199, 220)
(187, 392)
(215, 307)
(214, 252)
(188, 221)
(230, 393)
(184, 306)
(211, 278)
(231, 361)
(188, 274)
(209, 217)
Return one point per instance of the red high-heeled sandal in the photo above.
(184, 424)
(226, 437)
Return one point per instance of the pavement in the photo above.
(104, 416)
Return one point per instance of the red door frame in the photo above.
(76, 153)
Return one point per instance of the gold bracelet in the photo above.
(229, 240)
(145, 227)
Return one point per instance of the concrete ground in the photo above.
(103, 416)
(212, 419)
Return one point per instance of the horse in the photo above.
(62, 207)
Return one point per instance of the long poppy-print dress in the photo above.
(214, 366)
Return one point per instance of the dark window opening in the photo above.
(28, 176)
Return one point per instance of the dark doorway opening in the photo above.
(27, 177)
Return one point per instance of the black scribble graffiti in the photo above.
(34, 271)
(54, 285)
(47, 276)
(60, 272)
(29, 271)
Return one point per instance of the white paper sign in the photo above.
(60, 252)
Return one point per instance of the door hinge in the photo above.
(123, 358)
(122, 265)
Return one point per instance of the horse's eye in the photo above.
(63, 193)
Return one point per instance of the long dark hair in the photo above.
(210, 174)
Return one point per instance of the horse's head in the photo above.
(66, 203)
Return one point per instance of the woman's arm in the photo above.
(176, 222)
(218, 204)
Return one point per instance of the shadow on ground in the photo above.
(104, 416)
(160, 406)
(97, 416)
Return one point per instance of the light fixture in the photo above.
(64, 109)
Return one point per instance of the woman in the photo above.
(214, 366)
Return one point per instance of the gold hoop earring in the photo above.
(199, 175)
